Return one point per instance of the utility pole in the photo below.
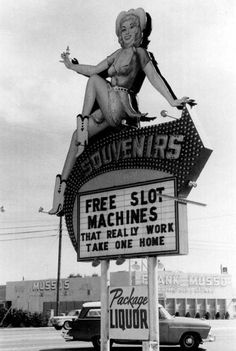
(41, 210)
(59, 268)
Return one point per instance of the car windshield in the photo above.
(94, 312)
(163, 314)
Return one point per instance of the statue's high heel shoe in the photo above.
(58, 197)
(82, 133)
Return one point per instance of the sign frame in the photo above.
(129, 149)
(117, 318)
(177, 250)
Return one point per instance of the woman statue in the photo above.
(115, 99)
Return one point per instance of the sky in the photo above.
(193, 43)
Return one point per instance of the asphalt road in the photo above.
(48, 339)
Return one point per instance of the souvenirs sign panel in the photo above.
(128, 312)
(174, 149)
(135, 220)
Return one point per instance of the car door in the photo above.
(82, 327)
(163, 328)
(93, 321)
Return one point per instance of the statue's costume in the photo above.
(123, 96)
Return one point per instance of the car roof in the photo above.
(95, 304)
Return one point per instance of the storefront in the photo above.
(191, 294)
(40, 295)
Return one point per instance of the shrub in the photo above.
(18, 318)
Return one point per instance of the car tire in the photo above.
(190, 341)
(66, 325)
(97, 343)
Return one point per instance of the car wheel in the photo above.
(97, 343)
(190, 341)
(66, 325)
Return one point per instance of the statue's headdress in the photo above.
(140, 13)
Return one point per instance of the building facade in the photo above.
(191, 294)
(40, 295)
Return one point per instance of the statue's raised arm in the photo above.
(87, 70)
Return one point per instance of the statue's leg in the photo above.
(86, 128)
(96, 90)
(70, 157)
(58, 197)
(60, 183)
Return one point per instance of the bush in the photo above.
(19, 318)
(227, 315)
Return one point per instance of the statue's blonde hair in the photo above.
(138, 36)
(140, 18)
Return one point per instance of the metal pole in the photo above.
(59, 268)
(105, 345)
(130, 277)
(153, 343)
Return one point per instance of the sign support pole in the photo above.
(59, 268)
(105, 344)
(153, 343)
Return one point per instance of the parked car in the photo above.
(183, 331)
(62, 321)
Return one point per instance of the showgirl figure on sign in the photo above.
(112, 102)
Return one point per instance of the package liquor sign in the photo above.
(128, 313)
(135, 220)
(125, 167)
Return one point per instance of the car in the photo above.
(62, 321)
(187, 332)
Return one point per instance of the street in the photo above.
(48, 339)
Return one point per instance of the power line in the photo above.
(29, 232)
(30, 237)
(212, 217)
(30, 226)
(197, 246)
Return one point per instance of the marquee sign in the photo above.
(134, 220)
(128, 312)
(125, 158)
